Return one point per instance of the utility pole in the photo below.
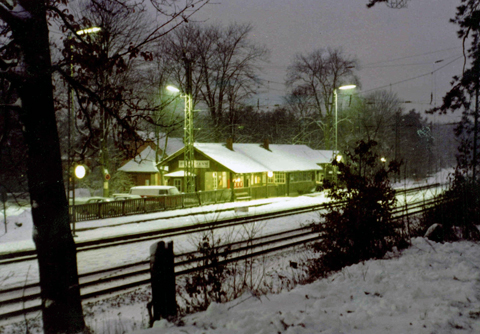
(104, 141)
(475, 132)
(188, 140)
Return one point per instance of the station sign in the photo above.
(196, 164)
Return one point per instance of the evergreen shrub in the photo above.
(458, 209)
(358, 224)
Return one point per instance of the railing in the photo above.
(92, 211)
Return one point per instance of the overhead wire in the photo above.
(414, 78)
(393, 65)
(412, 56)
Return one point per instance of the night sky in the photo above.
(392, 45)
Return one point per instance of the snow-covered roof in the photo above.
(173, 144)
(144, 162)
(324, 156)
(233, 160)
(253, 158)
(179, 173)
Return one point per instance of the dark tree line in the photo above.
(461, 207)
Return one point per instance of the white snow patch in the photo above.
(429, 288)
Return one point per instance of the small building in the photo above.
(143, 168)
(250, 170)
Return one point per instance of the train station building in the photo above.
(250, 170)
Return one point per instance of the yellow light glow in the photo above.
(382, 159)
(80, 171)
(87, 31)
(338, 158)
(347, 87)
(173, 89)
(270, 174)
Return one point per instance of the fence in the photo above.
(92, 211)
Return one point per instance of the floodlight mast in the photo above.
(189, 153)
(188, 140)
(188, 134)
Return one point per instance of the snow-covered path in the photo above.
(428, 288)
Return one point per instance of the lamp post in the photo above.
(79, 172)
(336, 111)
(188, 140)
(335, 95)
(71, 108)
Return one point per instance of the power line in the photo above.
(270, 81)
(412, 56)
(414, 78)
(399, 65)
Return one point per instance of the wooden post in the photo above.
(163, 282)
(3, 198)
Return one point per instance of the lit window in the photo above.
(257, 179)
(301, 177)
(279, 177)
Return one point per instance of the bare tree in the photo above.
(372, 117)
(25, 64)
(315, 76)
(224, 65)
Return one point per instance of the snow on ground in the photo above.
(371, 295)
(428, 288)
(19, 221)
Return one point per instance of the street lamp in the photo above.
(338, 157)
(173, 89)
(71, 103)
(79, 172)
(87, 31)
(345, 87)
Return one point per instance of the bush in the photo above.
(458, 210)
(205, 286)
(217, 278)
(362, 226)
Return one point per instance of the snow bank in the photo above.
(428, 288)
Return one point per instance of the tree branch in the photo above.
(6, 14)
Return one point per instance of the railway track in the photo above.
(175, 231)
(25, 299)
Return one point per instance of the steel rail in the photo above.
(175, 231)
(182, 261)
(192, 257)
(249, 253)
(237, 245)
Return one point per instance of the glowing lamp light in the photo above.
(382, 159)
(347, 87)
(80, 171)
(270, 174)
(87, 31)
(338, 158)
(173, 89)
